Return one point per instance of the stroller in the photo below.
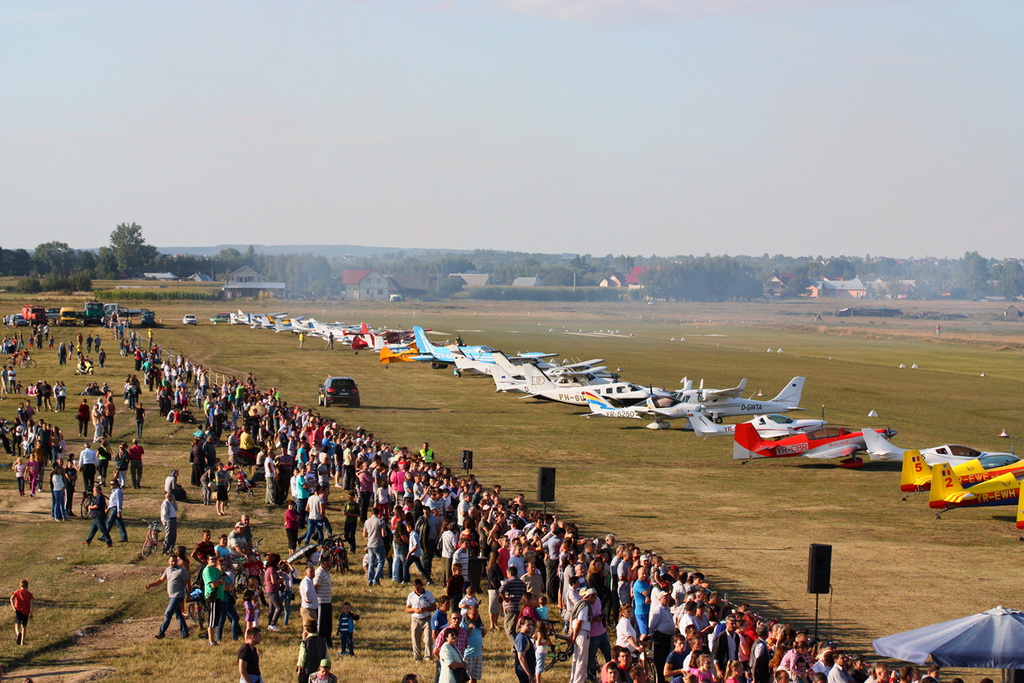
(242, 483)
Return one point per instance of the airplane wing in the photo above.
(734, 392)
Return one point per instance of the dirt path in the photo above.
(90, 644)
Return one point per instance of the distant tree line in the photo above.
(54, 266)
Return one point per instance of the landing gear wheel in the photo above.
(852, 463)
(718, 420)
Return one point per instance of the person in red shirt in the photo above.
(135, 454)
(21, 601)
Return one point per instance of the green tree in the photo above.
(129, 247)
(54, 257)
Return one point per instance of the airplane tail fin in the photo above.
(944, 485)
(747, 443)
(598, 406)
(916, 473)
(535, 378)
(702, 426)
(1020, 512)
(364, 329)
(422, 343)
(792, 393)
(879, 448)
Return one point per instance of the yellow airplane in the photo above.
(387, 356)
(916, 474)
(947, 491)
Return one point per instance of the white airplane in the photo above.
(768, 426)
(719, 403)
(241, 318)
(570, 391)
(879, 447)
(486, 364)
(509, 376)
(713, 403)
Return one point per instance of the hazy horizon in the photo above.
(668, 127)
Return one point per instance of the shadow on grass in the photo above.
(401, 408)
(26, 658)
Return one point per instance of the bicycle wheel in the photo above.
(83, 507)
(197, 613)
(149, 545)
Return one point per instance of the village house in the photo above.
(246, 282)
(839, 289)
(364, 284)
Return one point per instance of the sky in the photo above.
(646, 127)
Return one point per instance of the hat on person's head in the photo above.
(326, 663)
(587, 592)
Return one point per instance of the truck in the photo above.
(67, 316)
(35, 315)
(93, 313)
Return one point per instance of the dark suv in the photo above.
(339, 390)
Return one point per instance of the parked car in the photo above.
(339, 390)
(221, 318)
(18, 320)
(189, 319)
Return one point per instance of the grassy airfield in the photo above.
(895, 566)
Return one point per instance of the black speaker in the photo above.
(546, 484)
(819, 568)
(467, 460)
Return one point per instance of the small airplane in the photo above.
(826, 442)
(719, 403)
(767, 426)
(954, 454)
(713, 403)
(389, 355)
(241, 318)
(509, 376)
(947, 492)
(444, 356)
(917, 474)
(539, 385)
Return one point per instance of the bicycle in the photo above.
(87, 500)
(28, 363)
(196, 609)
(333, 548)
(152, 538)
(647, 658)
(561, 646)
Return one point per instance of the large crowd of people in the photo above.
(622, 612)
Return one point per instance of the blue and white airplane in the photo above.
(445, 356)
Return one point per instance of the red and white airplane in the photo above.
(826, 442)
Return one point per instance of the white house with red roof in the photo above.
(633, 277)
(364, 284)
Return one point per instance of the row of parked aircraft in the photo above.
(359, 336)
(954, 476)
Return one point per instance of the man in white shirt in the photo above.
(169, 518)
(88, 460)
(310, 601)
(579, 630)
(420, 605)
(324, 594)
(115, 506)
